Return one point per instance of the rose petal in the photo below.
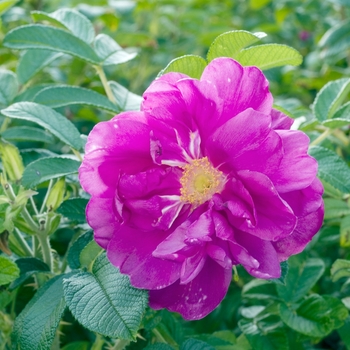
(197, 298)
(131, 251)
(280, 121)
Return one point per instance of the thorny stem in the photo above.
(22, 242)
(105, 84)
(320, 138)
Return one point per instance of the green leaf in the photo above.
(344, 333)
(8, 271)
(194, 344)
(29, 94)
(74, 209)
(159, 346)
(335, 208)
(258, 4)
(104, 301)
(191, 65)
(38, 36)
(301, 277)
(70, 19)
(331, 168)
(311, 317)
(336, 40)
(89, 254)
(259, 289)
(330, 98)
(284, 271)
(8, 87)
(48, 168)
(110, 52)
(340, 118)
(77, 345)
(274, 339)
(65, 95)
(36, 325)
(73, 256)
(229, 44)
(47, 118)
(28, 267)
(340, 268)
(6, 5)
(126, 100)
(32, 61)
(336, 310)
(345, 231)
(269, 56)
(27, 133)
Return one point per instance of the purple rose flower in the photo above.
(206, 176)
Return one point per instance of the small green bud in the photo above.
(56, 195)
(11, 161)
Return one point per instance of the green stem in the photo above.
(46, 249)
(159, 337)
(120, 344)
(46, 196)
(22, 242)
(105, 84)
(320, 138)
(5, 124)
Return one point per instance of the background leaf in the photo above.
(190, 65)
(8, 271)
(8, 87)
(27, 133)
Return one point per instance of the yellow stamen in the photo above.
(200, 181)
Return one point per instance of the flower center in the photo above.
(200, 181)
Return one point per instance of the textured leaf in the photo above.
(6, 5)
(259, 289)
(36, 325)
(332, 170)
(275, 339)
(28, 267)
(8, 87)
(27, 133)
(38, 36)
(269, 56)
(330, 97)
(311, 317)
(49, 119)
(65, 95)
(231, 43)
(89, 254)
(340, 268)
(29, 94)
(48, 168)
(301, 277)
(194, 344)
(104, 301)
(33, 61)
(340, 118)
(126, 100)
(110, 52)
(191, 65)
(74, 209)
(73, 256)
(8, 271)
(70, 19)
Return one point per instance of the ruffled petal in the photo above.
(121, 144)
(131, 251)
(102, 216)
(239, 88)
(274, 218)
(306, 228)
(264, 252)
(297, 169)
(197, 298)
(243, 133)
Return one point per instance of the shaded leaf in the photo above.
(73, 256)
(340, 268)
(48, 168)
(8, 270)
(126, 100)
(27, 133)
(74, 209)
(8, 87)
(47, 118)
(38, 36)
